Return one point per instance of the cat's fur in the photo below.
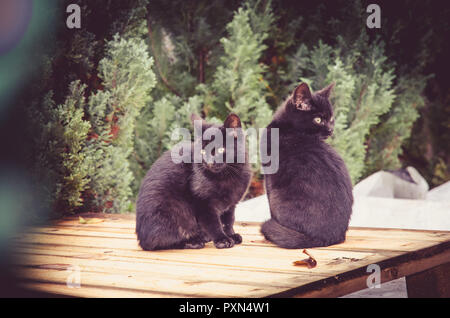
(186, 205)
(310, 196)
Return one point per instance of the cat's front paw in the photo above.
(225, 242)
(237, 238)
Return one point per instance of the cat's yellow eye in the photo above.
(203, 151)
(221, 150)
(318, 120)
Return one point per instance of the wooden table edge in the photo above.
(406, 265)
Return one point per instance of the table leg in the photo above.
(432, 283)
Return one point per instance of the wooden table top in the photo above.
(111, 263)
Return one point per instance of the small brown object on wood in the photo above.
(309, 262)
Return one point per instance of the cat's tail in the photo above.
(286, 237)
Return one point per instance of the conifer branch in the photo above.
(201, 65)
(158, 66)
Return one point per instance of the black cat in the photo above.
(310, 196)
(185, 205)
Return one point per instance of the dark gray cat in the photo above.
(310, 196)
(186, 205)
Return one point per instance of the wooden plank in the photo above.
(129, 223)
(167, 269)
(272, 279)
(253, 229)
(351, 243)
(348, 281)
(155, 285)
(112, 261)
(111, 233)
(250, 231)
(243, 283)
(242, 258)
(89, 291)
(203, 256)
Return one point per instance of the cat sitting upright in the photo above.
(310, 196)
(184, 205)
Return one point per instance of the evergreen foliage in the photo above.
(238, 84)
(127, 79)
(100, 115)
(184, 40)
(62, 164)
(386, 139)
(414, 50)
(240, 89)
(361, 96)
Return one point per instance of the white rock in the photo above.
(388, 185)
(400, 213)
(371, 212)
(253, 210)
(440, 193)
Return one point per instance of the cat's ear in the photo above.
(325, 92)
(232, 121)
(302, 97)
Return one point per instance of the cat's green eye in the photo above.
(221, 150)
(203, 151)
(318, 120)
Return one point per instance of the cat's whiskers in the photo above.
(232, 171)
